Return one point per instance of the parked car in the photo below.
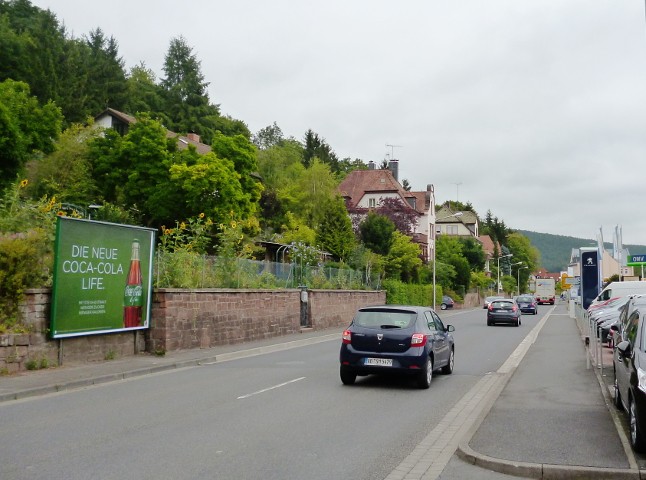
(396, 339)
(527, 304)
(447, 302)
(488, 300)
(503, 311)
(629, 363)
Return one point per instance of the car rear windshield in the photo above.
(525, 299)
(502, 304)
(385, 318)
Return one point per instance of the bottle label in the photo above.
(133, 296)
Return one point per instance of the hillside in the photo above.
(556, 249)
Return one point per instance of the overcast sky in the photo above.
(533, 109)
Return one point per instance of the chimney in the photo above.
(371, 165)
(393, 166)
(194, 137)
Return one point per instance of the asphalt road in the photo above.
(283, 415)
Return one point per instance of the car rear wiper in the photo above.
(390, 326)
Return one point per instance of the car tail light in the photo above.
(514, 308)
(347, 337)
(491, 307)
(418, 340)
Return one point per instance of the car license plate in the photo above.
(381, 362)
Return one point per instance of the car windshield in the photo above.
(525, 299)
(385, 318)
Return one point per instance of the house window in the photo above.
(451, 229)
(372, 203)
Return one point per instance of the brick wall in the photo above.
(183, 319)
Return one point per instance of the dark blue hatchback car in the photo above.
(396, 339)
(527, 304)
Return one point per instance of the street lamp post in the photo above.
(498, 284)
(457, 214)
(518, 281)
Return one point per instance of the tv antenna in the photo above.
(457, 191)
(392, 148)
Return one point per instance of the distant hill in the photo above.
(556, 249)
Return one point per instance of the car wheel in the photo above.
(636, 437)
(443, 306)
(448, 368)
(617, 398)
(347, 377)
(517, 322)
(426, 375)
(489, 323)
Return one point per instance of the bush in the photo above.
(400, 293)
(26, 249)
(25, 262)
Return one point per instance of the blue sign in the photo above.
(590, 284)
(635, 260)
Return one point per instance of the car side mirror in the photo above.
(450, 328)
(624, 348)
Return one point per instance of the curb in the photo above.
(544, 470)
(113, 377)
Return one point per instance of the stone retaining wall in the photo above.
(182, 319)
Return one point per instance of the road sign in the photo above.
(636, 260)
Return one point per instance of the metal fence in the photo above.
(185, 270)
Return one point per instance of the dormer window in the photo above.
(372, 203)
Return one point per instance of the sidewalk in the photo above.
(554, 418)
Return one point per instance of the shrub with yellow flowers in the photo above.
(27, 231)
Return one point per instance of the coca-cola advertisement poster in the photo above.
(102, 277)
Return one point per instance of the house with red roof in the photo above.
(364, 190)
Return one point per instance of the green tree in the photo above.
(187, 101)
(377, 232)
(310, 188)
(280, 165)
(316, 147)
(334, 233)
(242, 153)
(473, 252)
(143, 93)
(371, 263)
(210, 185)
(450, 252)
(268, 137)
(106, 79)
(25, 127)
(525, 252)
(403, 262)
(294, 231)
(110, 168)
(66, 173)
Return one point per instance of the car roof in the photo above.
(381, 308)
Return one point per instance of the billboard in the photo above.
(102, 277)
(590, 276)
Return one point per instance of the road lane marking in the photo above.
(271, 388)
